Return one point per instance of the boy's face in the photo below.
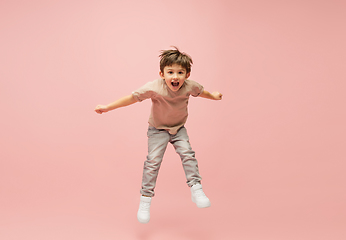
(174, 76)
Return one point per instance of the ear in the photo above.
(187, 75)
(161, 75)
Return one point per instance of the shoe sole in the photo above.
(201, 205)
(144, 221)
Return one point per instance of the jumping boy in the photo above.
(169, 96)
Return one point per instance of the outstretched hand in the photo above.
(217, 95)
(101, 109)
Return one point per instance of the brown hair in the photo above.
(170, 57)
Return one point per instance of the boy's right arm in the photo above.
(122, 102)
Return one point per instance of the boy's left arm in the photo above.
(214, 96)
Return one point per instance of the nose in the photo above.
(175, 76)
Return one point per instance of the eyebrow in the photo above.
(170, 69)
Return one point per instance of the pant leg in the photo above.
(182, 146)
(157, 144)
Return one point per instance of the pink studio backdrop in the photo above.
(271, 153)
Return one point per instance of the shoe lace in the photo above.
(144, 206)
(199, 193)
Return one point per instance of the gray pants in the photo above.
(157, 144)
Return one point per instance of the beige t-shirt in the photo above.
(169, 109)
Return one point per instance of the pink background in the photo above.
(271, 153)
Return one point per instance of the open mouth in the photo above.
(175, 84)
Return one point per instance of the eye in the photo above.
(170, 72)
(181, 72)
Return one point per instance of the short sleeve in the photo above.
(143, 92)
(196, 88)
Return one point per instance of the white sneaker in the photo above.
(198, 196)
(143, 214)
